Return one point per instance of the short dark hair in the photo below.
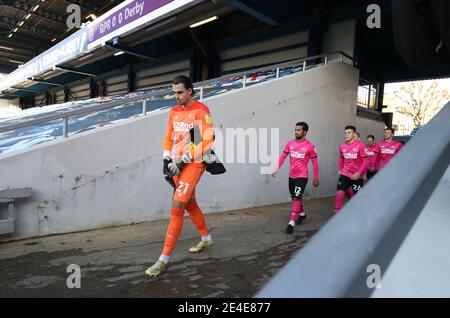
(186, 81)
(371, 136)
(350, 127)
(302, 124)
(391, 129)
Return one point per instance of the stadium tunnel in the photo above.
(247, 35)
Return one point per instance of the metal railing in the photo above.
(369, 230)
(64, 117)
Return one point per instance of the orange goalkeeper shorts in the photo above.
(187, 180)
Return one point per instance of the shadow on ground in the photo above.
(250, 247)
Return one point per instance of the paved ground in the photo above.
(250, 247)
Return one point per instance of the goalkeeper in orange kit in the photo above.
(186, 166)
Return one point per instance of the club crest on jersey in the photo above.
(182, 126)
(208, 119)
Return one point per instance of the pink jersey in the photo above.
(300, 153)
(352, 159)
(371, 158)
(385, 151)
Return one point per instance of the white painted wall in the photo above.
(9, 107)
(113, 175)
(9, 102)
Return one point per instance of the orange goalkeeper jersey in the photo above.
(182, 121)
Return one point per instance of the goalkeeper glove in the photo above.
(176, 165)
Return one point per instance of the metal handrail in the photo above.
(369, 231)
(143, 98)
(82, 111)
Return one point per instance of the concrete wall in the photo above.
(370, 127)
(112, 175)
(340, 37)
(284, 53)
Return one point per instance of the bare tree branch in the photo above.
(422, 101)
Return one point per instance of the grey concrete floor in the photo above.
(250, 247)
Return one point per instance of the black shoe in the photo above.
(289, 229)
(300, 219)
